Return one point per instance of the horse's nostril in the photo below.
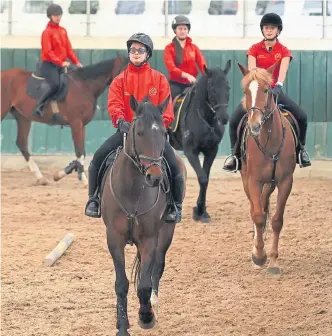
(148, 177)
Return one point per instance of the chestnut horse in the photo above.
(73, 105)
(134, 199)
(268, 160)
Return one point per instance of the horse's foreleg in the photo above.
(78, 135)
(284, 189)
(116, 245)
(146, 317)
(23, 130)
(259, 218)
(193, 159)
(164, 241)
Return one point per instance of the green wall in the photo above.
(309, 83)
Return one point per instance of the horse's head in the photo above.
(256, 85)
(217, 87)
(146, 139)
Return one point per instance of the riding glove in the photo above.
(124, 126)
(277, 89)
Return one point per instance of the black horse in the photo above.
(201, 116)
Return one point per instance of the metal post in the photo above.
(88, 17)
(244, 31)
(10, 17)
(324, 4)
(166, 18)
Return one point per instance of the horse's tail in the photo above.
(137, 269)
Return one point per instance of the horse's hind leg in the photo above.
(116, 244)
(164, 242)
(23, 130)
(284, 189)
(146, 317)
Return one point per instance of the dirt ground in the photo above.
(209, 286)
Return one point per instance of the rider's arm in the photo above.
(252, 54)
(164, 92)
(200, 60)
(170, 63)
(70, 52)
(47, 48)
(286, 59)
(115, 103)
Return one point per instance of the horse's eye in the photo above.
(140, 133)
(265, 91)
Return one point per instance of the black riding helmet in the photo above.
(143, 39)
(271, 19)
(53, 10)
(180, 20)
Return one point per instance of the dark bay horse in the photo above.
(74, 106)
(201, 127)
(133, 203)
(268, 160)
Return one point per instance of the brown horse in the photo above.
(133, 203)
(268, 160)
(73, 105)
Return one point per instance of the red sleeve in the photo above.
(287, 53)
(164, 92)
(200, 60)
(115, 103)
(70, 52)
(252, 51)
(170, 63)
(47, 48)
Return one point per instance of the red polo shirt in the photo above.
(266, 58)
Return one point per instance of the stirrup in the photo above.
(236, 163)
(302, 150)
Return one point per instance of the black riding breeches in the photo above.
(51, 72)
(112, 143)
(283, 99)
(171, 159)
(177, 88)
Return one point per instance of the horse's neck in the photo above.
(96, 86)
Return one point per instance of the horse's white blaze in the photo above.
(34, 168)
(253, 87)
(155, 126)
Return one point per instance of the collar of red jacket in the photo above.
(144, 67)
(263, 46)
(51, 24)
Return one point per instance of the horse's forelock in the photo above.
(260, 75)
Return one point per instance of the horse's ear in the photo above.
(228, 66)
(243, 69)
(146, 99)
(162, 106)
(133, 103)
(272, 67)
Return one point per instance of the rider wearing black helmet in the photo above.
(56, 48)
(263, 55)
(181, 57)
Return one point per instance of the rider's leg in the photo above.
(51, 72)
(174, 213)
(301, 117)
(112, 143)
(230, 163)
(176, 88)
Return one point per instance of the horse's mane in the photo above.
(148, 115)
(259, 75)
(93, 71)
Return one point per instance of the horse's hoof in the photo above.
(196, 216)
(205, 218)
(122, 333)
(58, 175)
(275, 271)
(258, 261)
(42, 181)
(148, 325)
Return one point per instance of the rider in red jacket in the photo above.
(182, 57)
(56, 48)
(141, 81)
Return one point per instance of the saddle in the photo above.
(37, 85)
(243, 130)
(180, 103)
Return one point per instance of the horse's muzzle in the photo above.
(153, 175)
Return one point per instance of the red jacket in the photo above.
(191, 56)
(139, 82)
(56, 47)
(266, 58)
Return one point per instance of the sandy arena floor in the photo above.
(209, 286)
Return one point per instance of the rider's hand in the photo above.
(277, 89)
(124, 126)
(79, 65)
(65, 64)
(189, 77)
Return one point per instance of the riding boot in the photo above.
(303, 156)
(174, 213)
(92, 208)
(233, 162)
